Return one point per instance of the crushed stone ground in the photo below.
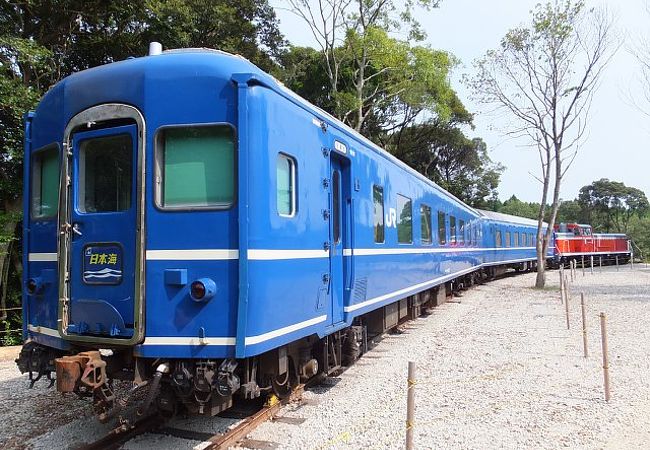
(497, 370)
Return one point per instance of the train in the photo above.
(196, 229)
(577, 242)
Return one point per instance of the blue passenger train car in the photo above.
(191, 223)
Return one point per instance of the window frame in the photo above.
(294, 185)
(453, 233)
(336, 215)
(443, 228)
(158, 163)
(426, 208)
(34, 154)
(461, 232)
(383, 212)
(398, 220)
(80, 203)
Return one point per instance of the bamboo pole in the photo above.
(410, 405)
(584, 324)
(603, 334)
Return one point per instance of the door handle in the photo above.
(76, 230)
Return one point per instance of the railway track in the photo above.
(119, 436)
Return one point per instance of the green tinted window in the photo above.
(442, 228)
(45, 183)
(425, 223)
(198, 167)
(285, 195)
(404, 220)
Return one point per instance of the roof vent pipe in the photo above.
(155, 48)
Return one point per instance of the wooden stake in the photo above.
(561, 284)
(566, 305)
(584, 324)
(410, 405)
(600, 263)
(617, 263)
(603, 334)
(575, 268)
(583, 265)
(591, 267)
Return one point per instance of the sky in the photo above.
(615, 145)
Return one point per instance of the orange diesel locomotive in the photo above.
(574, 241)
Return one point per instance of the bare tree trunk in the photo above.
(540, 248)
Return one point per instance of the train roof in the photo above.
(508, 218)
(206, 61)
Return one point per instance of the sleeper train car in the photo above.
(578, 242)
(195, 228)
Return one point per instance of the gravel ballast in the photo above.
(497, 370)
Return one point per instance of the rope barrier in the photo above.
(11, 331)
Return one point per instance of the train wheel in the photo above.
(281, 385)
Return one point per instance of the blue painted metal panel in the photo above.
(272, 292)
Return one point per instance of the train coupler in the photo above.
(38, 361)
(81, 372)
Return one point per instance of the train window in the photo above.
(45, 182)
(105, 174)
(404, 220)
(442, 228)
(452, 229)
(378, 202)
(461, 234)
(516, 243)
(425, 223)
(197, 164)
(508, 242)
(533, 240)
(336, 206)
(285, 194)
(524, 238)
(498, 239)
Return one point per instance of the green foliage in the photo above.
(610, 205)
(43, 41)
(403, 82)
(516, 207)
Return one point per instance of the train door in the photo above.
(101, 206)
(339, 233)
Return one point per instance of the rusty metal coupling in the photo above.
(87, 368)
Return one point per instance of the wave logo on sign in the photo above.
(106, 274)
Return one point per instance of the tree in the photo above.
(610, 204)
(516, 207)
(43, 41)
(543, 78)
(367, 69)
(445, 155)
(570, 211)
